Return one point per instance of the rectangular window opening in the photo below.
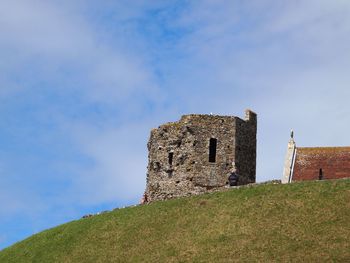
(170, 158)
(212, 150)
(320, 174)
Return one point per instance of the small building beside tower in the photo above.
(315, 163)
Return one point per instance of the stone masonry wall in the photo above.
(179, 155)
(246, 147)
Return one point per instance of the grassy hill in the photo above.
(297, 222)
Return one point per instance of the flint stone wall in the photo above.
(178, 160)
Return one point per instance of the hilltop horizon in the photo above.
(82, 84)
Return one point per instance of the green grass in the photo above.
(299, 222)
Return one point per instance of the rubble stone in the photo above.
(197, 154)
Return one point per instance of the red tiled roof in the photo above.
(334, 162)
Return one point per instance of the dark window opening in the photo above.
(320, 175)
(170, 158)
(212, 150)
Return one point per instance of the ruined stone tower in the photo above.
(197, 154)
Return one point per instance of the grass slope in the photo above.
(296, 222)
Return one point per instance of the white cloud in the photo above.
(57, 37)
(288, 61)
(43, 28)
(118, 170)
(54, 45)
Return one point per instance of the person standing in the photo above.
(233, 178)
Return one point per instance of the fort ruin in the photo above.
(197, 154)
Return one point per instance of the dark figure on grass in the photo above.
(233, 178)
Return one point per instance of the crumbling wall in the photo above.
(179, 163)
(246, 148)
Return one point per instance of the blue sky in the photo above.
(83, 82)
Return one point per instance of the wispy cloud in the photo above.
(286, 60)
(58, 39)
(119, 163)
(57, 69)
